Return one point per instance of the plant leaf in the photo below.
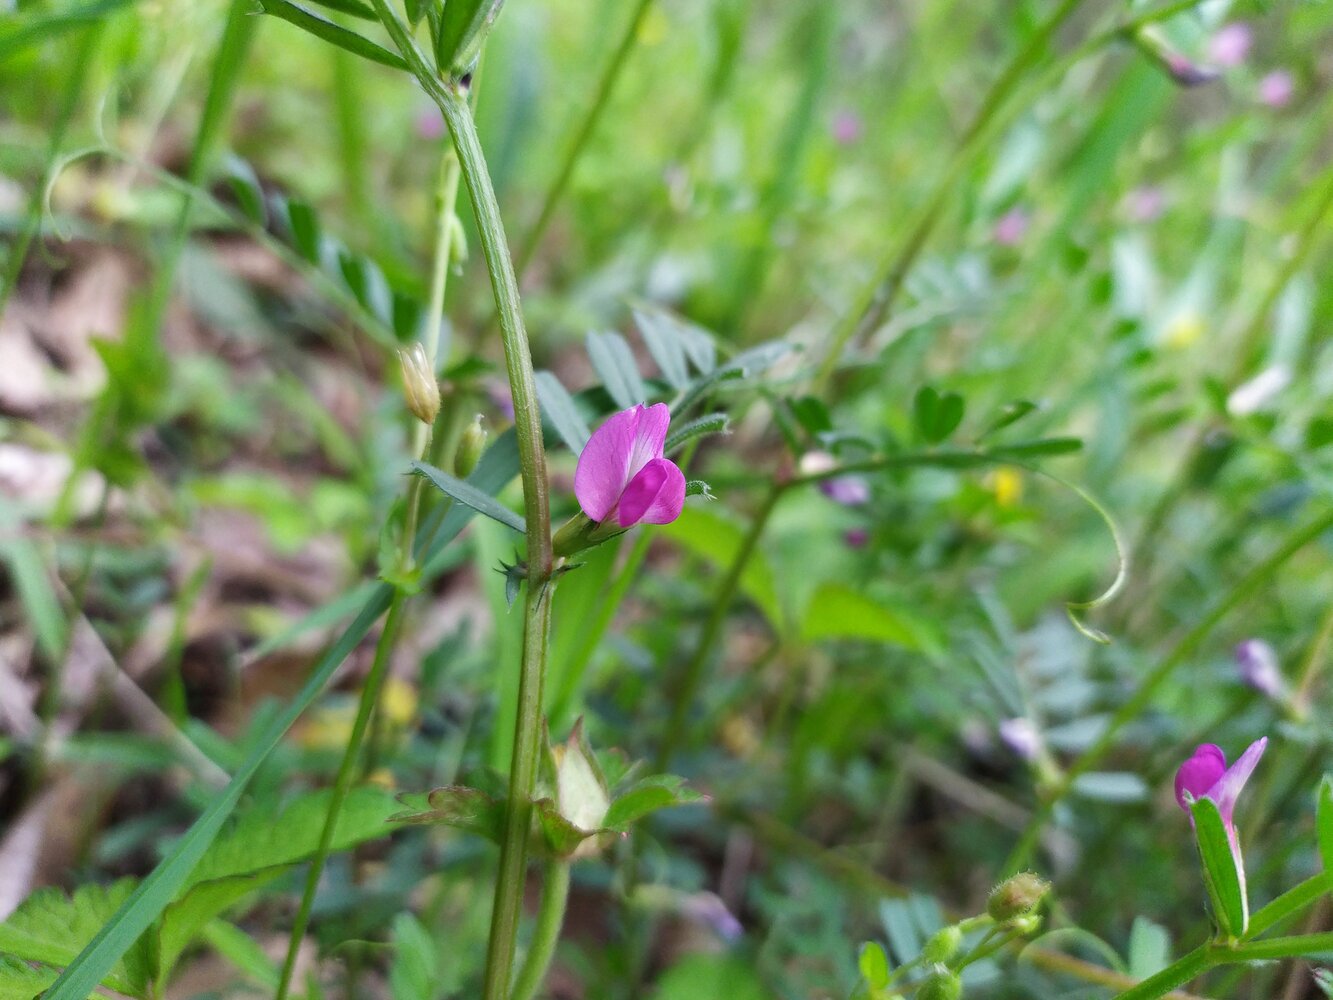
(614, 361)
(558, 406)
(51, 927)
(937, 414)
(874, 965)
(1226, 891)
(463, 27)
(458, 806)
(354, 7)
(465, 493)
(647, 796)
(836, 611)
(712, 423)
(1324, 822)
(335, 34)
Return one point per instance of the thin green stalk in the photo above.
(370, 693)
(683, 696)
(509, 884)
(550, 918)
(350, 133)
(1179, 654)
(601, 96)
(879, 294)
(1295, 946)
(1290, 903)
(1178, 973)
(1315, 659)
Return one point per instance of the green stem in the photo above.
(1290, 903)
(684, 694)
(1179, 654)
(550, 918)
(1296, 946)
(574, 151)
(342, 784)
(1178, 973)
(508, 904)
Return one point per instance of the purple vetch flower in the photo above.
(1276, 88)
(709, 909)
(855, 538)
(1256, 662)
(1188, 74)
(1021, 737)
(1146, 203)
(846, 127)
(622, 475)
(850, 491)
(1011, 227)
(1206, 775)
(1231, 45)
(429, 123)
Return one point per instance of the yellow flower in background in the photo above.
(398, 701)
(1184, 330)
(1006, 483)
(330, 727)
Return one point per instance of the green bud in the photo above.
(1026, 924)
(943, 946)
(457, 242)
(470, 447)
(1016, 897)
(419, 385)
(942, 985)
(581, 793)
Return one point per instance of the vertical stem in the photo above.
(694, 670)
(508, 905)
(576, 146)
(550, 918)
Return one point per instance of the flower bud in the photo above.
(943, 946)
(581, 793)
(470, 447)
(419, 385)
(457, 242)
(942, 985)
(1016, 897)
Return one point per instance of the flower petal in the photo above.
(603, 468)
(649, 437)
(655, 496)
(1200, 773)
(1226, 790)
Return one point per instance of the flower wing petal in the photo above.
(655, 496)
(603, 468)
(1200, 773)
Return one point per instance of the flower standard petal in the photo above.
(603, 469)
(649, 437)
(1226, 790)
(655, 496)
(1200, 773)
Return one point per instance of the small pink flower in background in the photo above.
(850, 491)
(622, 475)
(855, 538)
(1021, 737)
(429, 123)
(1011, 227)
(1189, 74)
(1146, 203)
(1231, 45)
(1276, 88)
(847, 128)
(1256, 662)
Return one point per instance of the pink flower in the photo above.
(622, 474)
(850, 491)
(1231, 44)
(1011, 227)
(855, 538)
(429, 123)
(1256, 662)
(846, 128)
(1276, 88)
(1206, 775)
(1021, 736)
(1146, 203)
